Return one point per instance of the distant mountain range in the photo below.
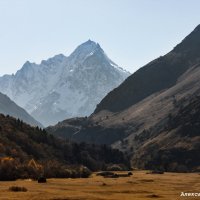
(153, 115)
(63, 87)
(8, 107)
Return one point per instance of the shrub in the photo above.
(157, 172)
(17, 189)
(106, 173)
(130, 173)
(85, 172)
(42, 179)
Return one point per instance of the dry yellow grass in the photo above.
(140, 186)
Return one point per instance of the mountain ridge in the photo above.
(157, 75)
(63, 87)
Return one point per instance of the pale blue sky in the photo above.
(132, 32)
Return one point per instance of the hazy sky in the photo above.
(131, 32)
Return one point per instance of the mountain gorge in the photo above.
(63, 87)
(152, 115)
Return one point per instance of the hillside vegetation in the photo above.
(28, 152)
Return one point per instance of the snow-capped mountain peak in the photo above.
(63, 87)
(83, 51)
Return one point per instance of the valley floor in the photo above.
(139, 186)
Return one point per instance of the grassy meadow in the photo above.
(139, 186)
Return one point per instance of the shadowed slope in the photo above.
(159, 74)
